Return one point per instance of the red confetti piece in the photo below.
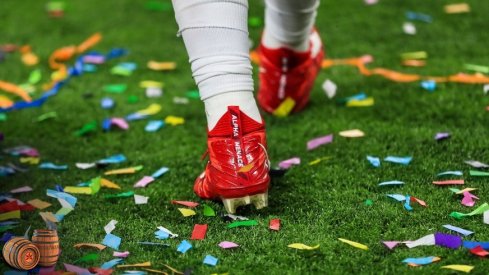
(199, 232)
(421, 202)
(190, 204)
(448, 182)
(479, 251)
(9, 206)
(274, 224)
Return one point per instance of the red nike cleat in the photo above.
(285, 73)
(238, 166)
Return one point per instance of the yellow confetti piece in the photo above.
(129, 170)
(150, 84)
(78, 190)
(30, 160)
(302, 246)
(145, 264)
(354, 244)
(466, 190)
(151, 110)
(5, 102)
(161, 66)
(174, 120)
(457, 8)
(92, 245)
(108, 184)
(10, 215)
(39, 204)
(48, 216)
(30, 59)
(415, 55)
(172, 269)
(285, 108)
(367, 102)
(355, 133)
(155, 271)
(318, 160)
(458, 267)
(186, 212)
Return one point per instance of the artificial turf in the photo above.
(317, 204)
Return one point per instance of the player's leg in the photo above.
(215, 34)
(290, 53)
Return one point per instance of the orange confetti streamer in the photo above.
(89, 42)
(5, 102)
(61, 54)
(14, 89)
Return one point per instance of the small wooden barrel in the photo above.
(21, 253)
(48, 244)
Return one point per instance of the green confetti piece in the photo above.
(95, 185)
(115, 88)
(193, 94)
(368, 202)
(6, 228)
(92, 257)
(157, 6)
(120, 195)
(208, 211)
(132, 99)
(3, 117)
(454, 190)
(87, 128)
(117, 70)
(242, 223)
(415, 55)
(481, 209)
(476, 173)
(35, 76)
(46, 116)
(255, 22)
(477, 68)
(55, 6)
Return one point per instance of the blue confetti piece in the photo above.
(428, 85)
(6, 237)
(135, 116)
(107, 103)
(358, 96)
(458, 229)
(111, 263)
(411, 15)
(116, 52)
(61, 195)
(113, 159)
(106, 124)
(420, 261)
(184, 246)
(407, 204)
(162, 235)
(210, 260)
(89, 68)
(59, 217)
(450, 173)
(130, 66)
(112, 241)
(397, 197)
(375, 161)
(52, 166)
(471, 244)
(160, 172)
(59, 188)
(399, 160)
(154, 125)
(392, 182)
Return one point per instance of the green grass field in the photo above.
(317, 204)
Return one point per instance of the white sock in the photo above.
(215, 33)
(288, 23)
(217, 105)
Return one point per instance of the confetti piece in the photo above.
(86, 129)
(468, 199)
(30, 160)
(138, 199)
(420, 202)
(329, 87)
(448, 240)
(285, 107)
(457, 8)
(210, 260)
(450, 173)
(457, 267)
(180, 100)
(479, 251)
(10, 215)
(145, 181)
(129, 170)
(471, 244)
(14, 89)
(115, 88)
(172, 235)
(375, 161)
(88, 258)
(160, 172)
(274, 224)
(442, 136)
(421, 261)
(429, 85)
(199, 232)
(90, 245)
(46, 216)
(46, 116)
(486, 217)
(390, 244)
(124, 254)
(458, 230)
(476, 164)
(76, 269)
(355, 133)
(301, 246)
(154, 125)
(392, 182)
(354, 244)
(22, 189)
(52, 166)
(161, 66)
(227, 245)
(145, 264)
(119, 195)
(423, 241)
(413, 63)
(242, 223)
(414, 55)
(108, 184)
(449, 182)
(153, 92)
(112, 241)
(186, 212)
(457, 191)
(475, 173)
(150, 83)
(481, 209)
(190, 204)
(39, 204)
(367, 102)
(151, 110)
(184, 246)
(397, 197)
(286, 164)
(208, 211)
(174, 121)
(407, 203)
(316, 142)
(111, 263)
(409, 28)
(399, 160)
(318, 160)
(110, 226)
(107, 103)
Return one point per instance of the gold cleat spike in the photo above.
(259, 201)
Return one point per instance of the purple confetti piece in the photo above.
(314, 143)
(448, 240)
(441, 136)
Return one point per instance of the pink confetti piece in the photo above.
(286, 164)
(227, 245)
(448, 182)
(420, 202)
(190, 204)
(121, 254)
(274, 224)
(468, 199)
(314, 143)
(144, 182)
(76, 269)
(22, 189)
(390, 244)
(120, 122)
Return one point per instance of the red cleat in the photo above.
(238, 166)
(285, 73)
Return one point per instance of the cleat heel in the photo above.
(260, 200)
